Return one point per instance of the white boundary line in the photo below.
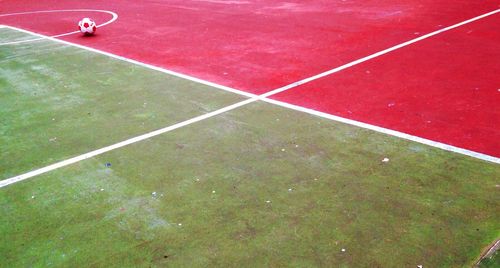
(149, 66)
(375, 55)
(254, 98)
(113, 14)
(387, 131)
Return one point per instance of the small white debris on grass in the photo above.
(153, 193)
(32, 197)
(420, 266)
(315, 179)
(343, 250)
(53, 119)
(102, 189)
(197, 179)
(283, 150)
(180, 224)
(268, 201)
(53, 139)
(385, 160)
(213, 192)
(290, 189)
(296, 146)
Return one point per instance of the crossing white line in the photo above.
(254, 98)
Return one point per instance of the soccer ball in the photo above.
(87, 26)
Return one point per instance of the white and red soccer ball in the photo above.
(87, 26)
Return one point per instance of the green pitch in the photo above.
(59, 101)
(491, 262)
(260, 186)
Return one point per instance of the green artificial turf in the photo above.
(491, 262)
(260, 186)
(424, 206)
(59, 101)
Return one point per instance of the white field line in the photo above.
(389, 132)
(375, 55)
(253, 98)
(79, 158)
(149, 66)
(113, 14)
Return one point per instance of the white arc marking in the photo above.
(115, 16)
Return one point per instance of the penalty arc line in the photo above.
(113, 14)
(254, 98)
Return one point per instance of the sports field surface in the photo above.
(250, 133)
